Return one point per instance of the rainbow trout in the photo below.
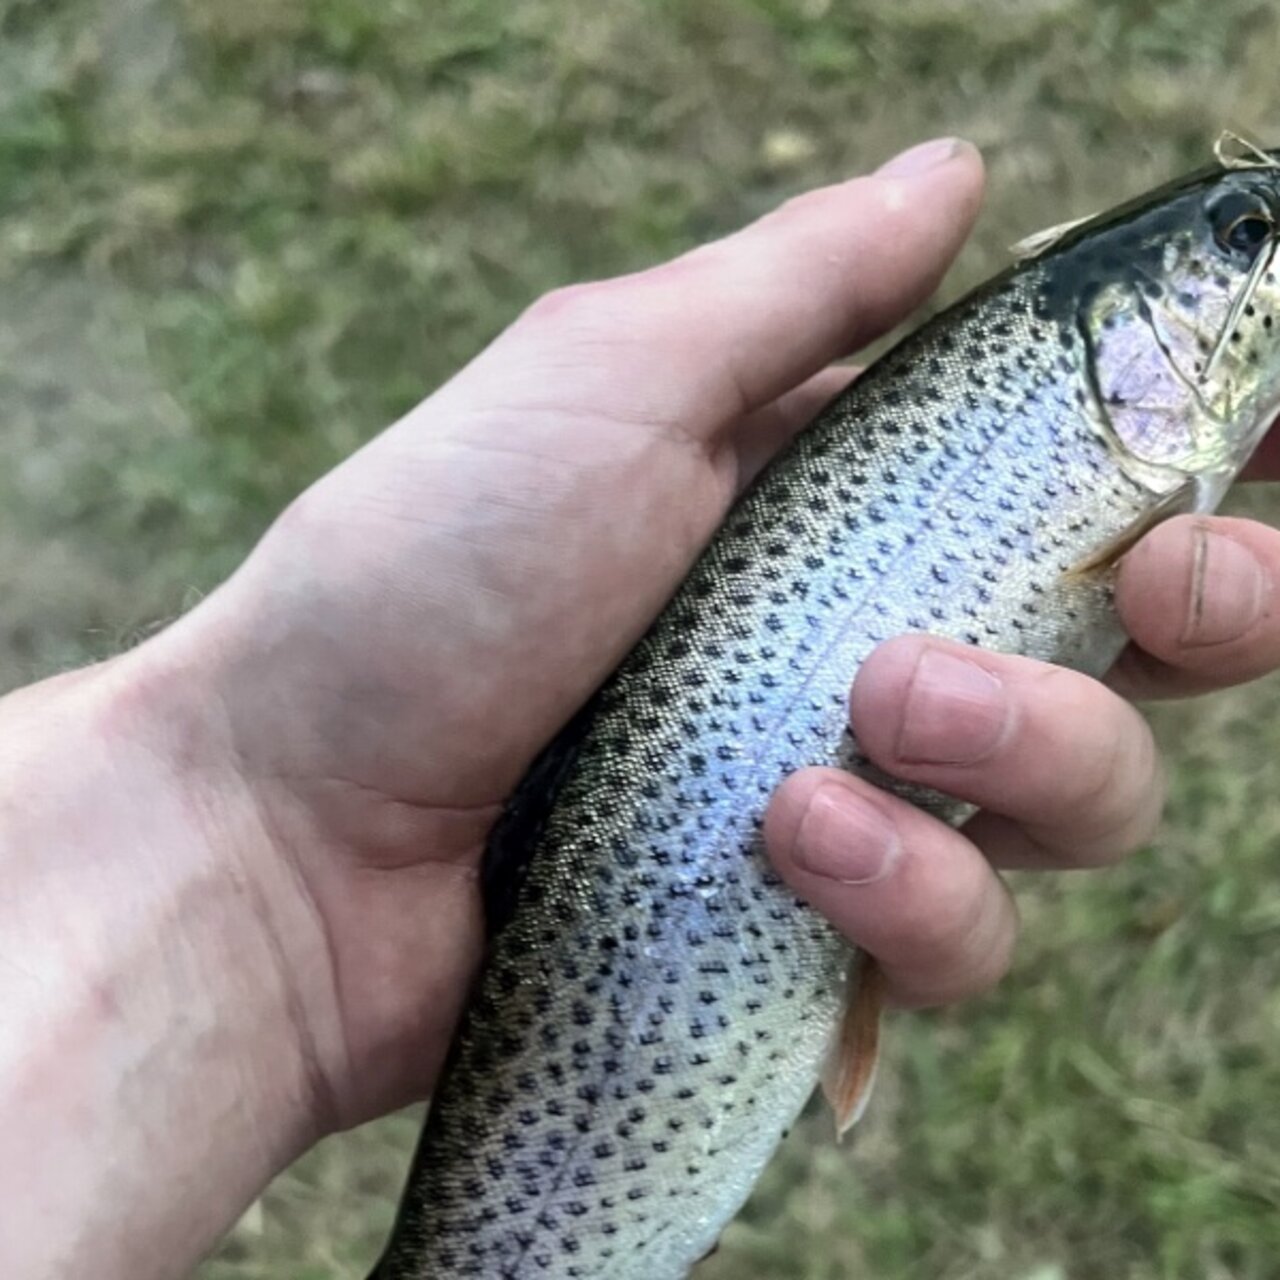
(656, 1006)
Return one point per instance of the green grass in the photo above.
(239, 236)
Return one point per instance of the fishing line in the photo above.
(1247, 156)
(1261, 265)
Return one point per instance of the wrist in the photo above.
(152, 1034)
(378, 914)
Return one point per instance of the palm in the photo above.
(548, 539)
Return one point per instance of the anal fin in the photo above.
(851, 1068)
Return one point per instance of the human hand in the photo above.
(1064, 769)
(424, 619)
(419, 624)
(241, 861)
(315, 755)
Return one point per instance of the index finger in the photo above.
(716, 334)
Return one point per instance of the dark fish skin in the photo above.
(656, 1005)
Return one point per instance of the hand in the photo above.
(240, 901)
(1064, 768)
(420, 623)
(256, 907)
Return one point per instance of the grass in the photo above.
(239, 236)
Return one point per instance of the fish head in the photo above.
(1176, 302)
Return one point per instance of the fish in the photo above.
(656, 1006)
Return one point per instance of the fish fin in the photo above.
(851, 1068)
(1039, 242)
(1105, 558)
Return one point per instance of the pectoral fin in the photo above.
(851, 1067)
(1105, 558)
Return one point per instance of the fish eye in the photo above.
(1242, 223)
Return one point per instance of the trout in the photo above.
(656, 1006)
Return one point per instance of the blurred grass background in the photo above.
(237, 237)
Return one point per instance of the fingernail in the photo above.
(845, 837)
(1228, 590)
(956, 712)
(920, 159)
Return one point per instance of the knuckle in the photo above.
(804, 203)
(1111, 769)
(1100, 790)
(566, 305)
(599, 318)
(991, 965)
(1146, 812)
(964, 952)
(952, 936)
(307, 521)
(1119, 789)
(1114, 810)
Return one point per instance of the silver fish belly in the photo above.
(656, 1010)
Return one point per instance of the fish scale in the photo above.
(657, 1005)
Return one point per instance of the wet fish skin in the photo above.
(655, 1011)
